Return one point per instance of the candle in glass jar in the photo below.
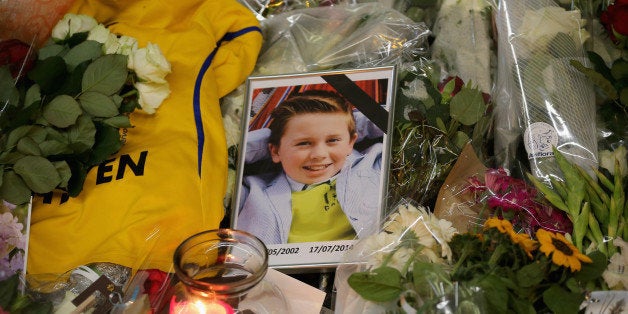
(199, 306)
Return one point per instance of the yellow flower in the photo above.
(524, 241)
(503, 225)
(563, 252)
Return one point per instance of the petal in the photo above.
(560, 259)
(574, 263)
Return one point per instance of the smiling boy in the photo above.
(326, 190)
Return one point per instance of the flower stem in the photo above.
(129, 93)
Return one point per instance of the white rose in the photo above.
(99, 33)
(102, 35)
(540, 26)
(72, 24)
(127, 45)
(149, 64)
(152, 95)
(124, 45)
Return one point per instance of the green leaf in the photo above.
(8, 290)
(108, 142)
(467, 106)
(79, 173)
(425, 274)
(39, 173)
(130, 105)
(72, 84)
(380, 285)
(38, 134)
(597, 79)
(33, 95)
(64, 172)
(530, 275)
(592, 271)
(447, 90)
(573, 181)
(8, 92)
(54, 147)
(460, 139)
(76, 39)
(120, 121)
(423, 3)
(51, 50)
(82, 135)
(561, 301)
(496, 294)
(98, 105)
(49, 74)
(436, 113)
(62, 111)
(28, 146)
(106, 74)
(599, 65)
(522, 306)
(10, 158)
(619, 69)
(13, 189)
(623, 96)
(87, 50)
(16, 135)
(54, 134)
(548, 193)
(117, 99)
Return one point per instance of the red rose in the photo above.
(457, 86)
(17, 55)
(615, 20)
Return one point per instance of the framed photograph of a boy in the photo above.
(312, 164)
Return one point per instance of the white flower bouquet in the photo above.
(404, 267)
(65, 104)
(542, 101)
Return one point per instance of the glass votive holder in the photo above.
(222, 271)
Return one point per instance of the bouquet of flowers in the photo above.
(511, 198)
(419, 263)
(434, 119)
(64, 105)
(541, 100)
(608, 70)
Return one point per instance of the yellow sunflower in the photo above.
(563, 252)
(524, 241)
(503, 225)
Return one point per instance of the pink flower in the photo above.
(520, 201)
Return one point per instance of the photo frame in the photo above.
(328, 218)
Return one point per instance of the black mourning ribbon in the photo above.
(359, 98)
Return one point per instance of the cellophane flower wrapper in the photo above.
(343, 36)
(136, 288)
(542, 101)
(438, 109)
(339, 37)
(606, 58)
(436, 116)
(463, 43)
(413, 244)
